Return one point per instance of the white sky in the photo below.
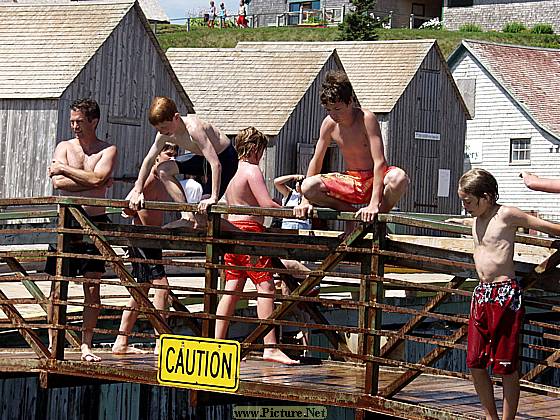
(176, 9)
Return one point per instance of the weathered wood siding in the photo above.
(124, 76)
(303, 125)
(430, 104)
(497, 120)
(26, 130)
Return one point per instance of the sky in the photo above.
(177, 9)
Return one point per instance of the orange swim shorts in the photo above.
(248, 260)
(351, 186)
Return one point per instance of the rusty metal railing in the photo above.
(361, 263)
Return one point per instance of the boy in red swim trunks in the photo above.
(496, 310)
(368, 180)
(248, 188)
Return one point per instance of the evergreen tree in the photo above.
(359, 24)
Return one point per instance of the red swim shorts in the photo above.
(494, 326)
(248, 260)
(351, 186)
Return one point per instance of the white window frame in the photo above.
(516, 146)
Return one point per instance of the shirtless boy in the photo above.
(83, 166)
(496, 310)
(368, 180)
(248, 188)
(146, 273)
(209, 145)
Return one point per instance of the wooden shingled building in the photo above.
(152, 8)
(51, 55)
(276, 92)
(408, 85)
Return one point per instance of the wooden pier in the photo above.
(370, 375)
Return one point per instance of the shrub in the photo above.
(434, 23)
(514, 27)
(470, 27)
(358, 24)
(542, 28)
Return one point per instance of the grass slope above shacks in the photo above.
(203, 37)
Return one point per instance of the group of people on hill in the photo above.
(84, 166)
(221, 13)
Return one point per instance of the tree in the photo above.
(359, 24)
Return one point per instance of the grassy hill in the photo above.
(203, 37)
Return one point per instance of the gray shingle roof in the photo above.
(43, 48)
(236, 88)
(379, 70)
(151, 8)
(530, 75)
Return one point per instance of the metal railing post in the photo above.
(59, 289)
(211, 275)
(371, 291)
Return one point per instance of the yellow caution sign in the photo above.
(196, 362)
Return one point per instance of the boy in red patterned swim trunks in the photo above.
(497, 312)
(248, 188)
(368, 180)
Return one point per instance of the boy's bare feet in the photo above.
(278, 356)
(87, 354)
(119, 349)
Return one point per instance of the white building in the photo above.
(514, 97)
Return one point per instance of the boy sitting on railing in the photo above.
(496, 316)
(368, 179)
(248, 188)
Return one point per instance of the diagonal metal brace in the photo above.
(310, 281)
(34, 290)
(157, 321)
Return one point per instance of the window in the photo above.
(520, 151)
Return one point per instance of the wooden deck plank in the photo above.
(336, 383)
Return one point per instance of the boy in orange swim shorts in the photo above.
(368, 180)
(248, 188)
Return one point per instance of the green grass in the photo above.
(202, 37)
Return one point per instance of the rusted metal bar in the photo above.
(59, 290)
(374, 293)
(178, 306)
(412, 323)
(309, 282)
(19, 322)
(336, 339)
(157, 321)
(398, 384)
(34, 290)
(539, 369)
(211, 276)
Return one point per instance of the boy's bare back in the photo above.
(193, 138)
(243, 189)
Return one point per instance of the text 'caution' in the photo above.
(202, 363)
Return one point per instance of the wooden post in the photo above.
(372, 292)
(211, 276)
(59, 289)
